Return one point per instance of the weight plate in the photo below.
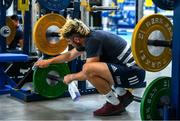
(156, 95)
(164, 4)
(12, 30)
(5, 31)
(54, 5)
(48, 82)
(40, 31)
(147, 26)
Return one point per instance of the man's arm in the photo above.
(68, 56)
(80, 75)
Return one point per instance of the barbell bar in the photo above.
(160, 43)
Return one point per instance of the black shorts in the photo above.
(127, 77)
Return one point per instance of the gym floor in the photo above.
(66, 109)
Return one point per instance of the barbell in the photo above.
(86, 5)
(159, 43)
(151, 40)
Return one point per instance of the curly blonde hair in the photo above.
(74, 26)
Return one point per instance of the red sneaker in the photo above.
(126, 99)
(108, 110)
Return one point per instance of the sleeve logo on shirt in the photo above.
(118, 80)
(114, 68)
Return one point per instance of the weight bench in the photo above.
(6, 83)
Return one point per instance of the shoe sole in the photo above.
(112, 113)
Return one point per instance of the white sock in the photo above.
(120, 91)
(111, 97)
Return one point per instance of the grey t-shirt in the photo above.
(109, 47)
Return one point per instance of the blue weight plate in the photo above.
(54, 5)
(164, 4)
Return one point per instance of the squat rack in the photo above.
(175, 82)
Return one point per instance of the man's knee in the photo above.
(88, 69)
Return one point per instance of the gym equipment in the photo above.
(54, 5)
(48, 82)
(120, 1)
(5, 31)
(4, 78)
(103, 8)
(87, 6)
(9, 57)
(23, 5)
(12, 30)
(175, 73)
(164, 4)
(7, 3)
(8, 31)
(148, 3)
(46, 34)
(155, 98)
(151, 42)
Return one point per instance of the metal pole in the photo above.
(165, 113)
(27, 31)
(139, 9)
(175, 83)
(84, 15)
(35, 14)
(2, 23)
(2, 42)
(105, 19)
(76, 13)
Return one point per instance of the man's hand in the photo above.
(42, 63)
(68, 79)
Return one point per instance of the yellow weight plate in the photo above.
(39, 34)
(140, 50)
(12, 28)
